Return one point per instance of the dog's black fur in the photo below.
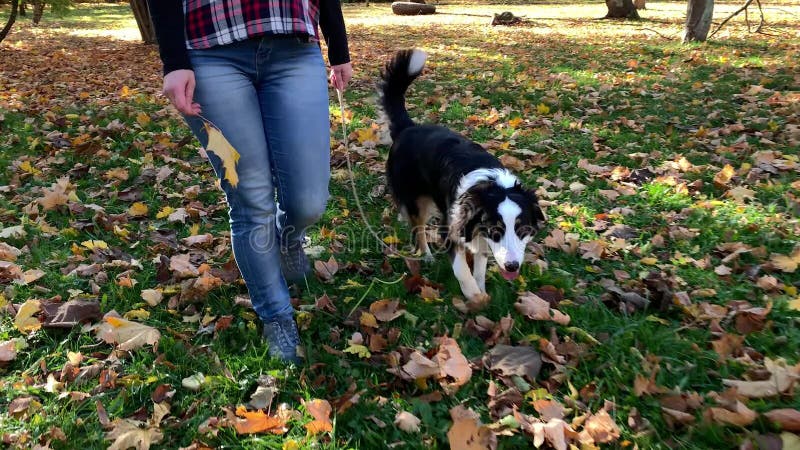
(429, 163)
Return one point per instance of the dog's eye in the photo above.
(496, 233)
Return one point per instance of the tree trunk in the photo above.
(142, 15)
(639, 4)
(621, 9)
(23, 8)
(38, 11)
(11, 18)
(698, 20)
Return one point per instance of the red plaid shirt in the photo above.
(217, 22)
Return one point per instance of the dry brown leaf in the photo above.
(182, 266)
(407, 422)
(419, 367)
(152, 296)
(326, 269)
(782, 378)
(740, 415)
(429, 293)
(452, 364)
(127, 433)
(788, 419)
(320, 410)
(386, 310)
(508, 361)
(467, 432)
(127, 335)
(602, 427)
(537, 308)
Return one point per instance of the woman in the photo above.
(255, 70)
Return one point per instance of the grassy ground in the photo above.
(668, 172)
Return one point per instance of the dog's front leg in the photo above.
(479, 262)
(469, 286)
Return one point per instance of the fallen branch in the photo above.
(734, 14)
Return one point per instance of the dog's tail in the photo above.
(397, 75)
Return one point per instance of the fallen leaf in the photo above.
(326, 269)
(452, 364)
(536, 308)
(251, 422)
(152, 296)
(127, 433)
(467, 432)
(24, 320)
(386, 310)
(602, 427)
(320, 410)
(788, 419)
(723, 177)
(782, 378)
(508, 361)
(407, 422)
(138, 209)
(127, 335)
(220, 146)
(194, 382)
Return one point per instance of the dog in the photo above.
(431, 169)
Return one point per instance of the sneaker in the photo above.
(282, 337)
(294, 262)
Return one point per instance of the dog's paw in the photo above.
(477, 302)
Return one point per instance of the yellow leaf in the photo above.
(360, 350)
(368, 320)
(291, 444)
(137, 314)
(391, 240)
(24, 320)
(649, 261)
(138, 209)
(143, 119)
(795, 304)
(514, 123)
(542, 109)
(125, 91)
(121, 232)
(165, 212)
(224, 151)
(194, 229)
(366, 134)
(724, 176)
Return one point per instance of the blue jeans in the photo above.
(269, 97)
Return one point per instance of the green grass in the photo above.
(615, 95)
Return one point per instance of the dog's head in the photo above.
(500, 213)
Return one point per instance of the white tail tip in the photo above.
(416, 62)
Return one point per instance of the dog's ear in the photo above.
(465, 216)
(539, 218)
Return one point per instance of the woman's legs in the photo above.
(226, 79)
(293, 95)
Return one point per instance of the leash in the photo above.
(345, 141)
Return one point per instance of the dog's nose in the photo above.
(512, 266)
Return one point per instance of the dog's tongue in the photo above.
(509, 275)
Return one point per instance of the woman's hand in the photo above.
(340, 76)
(179, 88)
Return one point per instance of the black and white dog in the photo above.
(484, 207)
